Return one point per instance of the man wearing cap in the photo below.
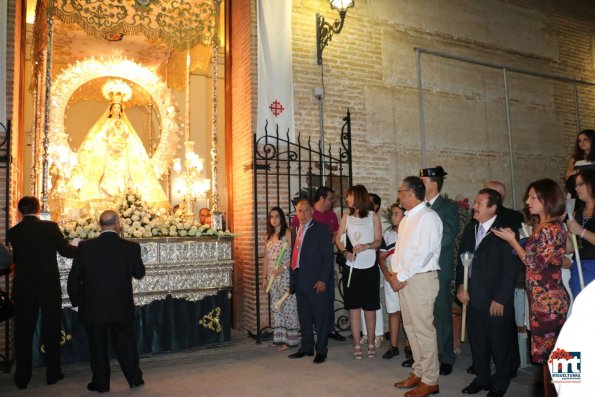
(448, 212)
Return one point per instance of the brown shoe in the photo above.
(408, 383)
(422, 390)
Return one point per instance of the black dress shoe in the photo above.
(91, 387)
(408, 353)
(474, 388)
(319, 358)
(300, 353)
(495, 393)
(137, 384)
(52, 381)
(407, 363)
(22, 386)
(336, 336)
(391, 352)
(470, 370)
(445, 369)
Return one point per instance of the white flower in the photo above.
(128, 221)
(71, 235)
(130, 198)
(210, 232)
(81, 221)
(91, 234)
(179, 225)
(145, 220)
(69, 227)
(78, 230)
(137, 233)
(126, 228)
(133, 206)
(124, 203)
(183, 233)
(135, 224)
(155, 231)
(192, 231)
(173, 230)
(128, 212)
(147, 234)
(164, 231)
(135, 217)
(187, 225)
(151, 224)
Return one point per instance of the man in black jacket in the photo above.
(37, 286)
(490, 295)
(100, 284)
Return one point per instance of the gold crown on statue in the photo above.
(116, 91)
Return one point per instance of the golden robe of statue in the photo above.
(112, 159)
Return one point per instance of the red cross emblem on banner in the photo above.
(276, 108)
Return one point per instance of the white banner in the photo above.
(275, 82)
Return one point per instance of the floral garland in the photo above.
(141, 220)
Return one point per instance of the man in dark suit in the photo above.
(490, 296)
(311, 263)
(37, 286)
(514, 220)
(100, 284)
(448, 212)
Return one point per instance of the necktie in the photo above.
(296, 249)
(480, 234)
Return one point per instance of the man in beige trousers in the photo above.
(416, 264)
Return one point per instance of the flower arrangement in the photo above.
(141, 220)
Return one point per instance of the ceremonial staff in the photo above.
(466, 258)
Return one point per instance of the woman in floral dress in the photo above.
(276, 267)
(543, 256)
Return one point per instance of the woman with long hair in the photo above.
(361, 277)
(582, 158)
(543, 256)
(276, 265)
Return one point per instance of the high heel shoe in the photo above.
(371, 351)
(357, 352)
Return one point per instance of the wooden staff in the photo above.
(570, 211)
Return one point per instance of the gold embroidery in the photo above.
(211, 320)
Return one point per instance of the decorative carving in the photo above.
(211, 320)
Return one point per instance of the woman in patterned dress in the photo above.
(543, 256)
(276, 265)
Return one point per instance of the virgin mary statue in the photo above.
(112, 159)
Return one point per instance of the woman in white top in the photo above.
(364, 231)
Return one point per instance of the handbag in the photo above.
(6, 307)
(341, 260)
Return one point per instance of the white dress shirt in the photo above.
(486, 227)
(418, 246)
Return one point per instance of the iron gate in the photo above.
(286, 171)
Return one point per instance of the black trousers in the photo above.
(443, 322)
(490, 339)
(122, 334)
(27, 309)
(313, 310)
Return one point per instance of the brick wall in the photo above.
(243, 82)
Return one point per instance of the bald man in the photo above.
(508, 216)
(100, 285)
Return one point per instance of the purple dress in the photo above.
(548, 299)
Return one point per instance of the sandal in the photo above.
(371, 351)
(357, 352)
(282, 348)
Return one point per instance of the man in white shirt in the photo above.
(416, 264)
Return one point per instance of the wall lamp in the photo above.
(325, 31)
